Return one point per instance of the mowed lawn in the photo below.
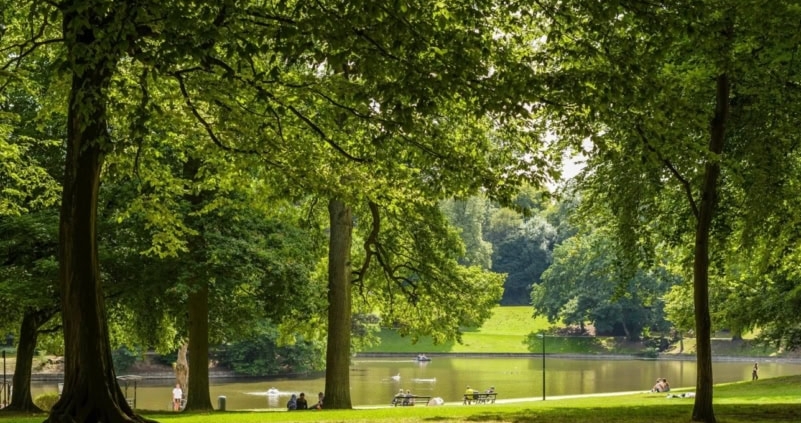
(766, 400)
(505, 332)
(509, 330)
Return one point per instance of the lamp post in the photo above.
(3, 394)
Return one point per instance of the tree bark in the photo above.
(702, 410)
(21, 382)
(182, 368)
(197, 396)
(197, 388)
(91, 392)
(337, 371)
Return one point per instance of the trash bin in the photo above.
(221, 403)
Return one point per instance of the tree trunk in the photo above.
(337, 360)
(182, 368)
(198, 398)
(702, 410)
(21, 383)
(91, 392)
(197, 388)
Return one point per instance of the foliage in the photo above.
(46, 401)
(124, 358)
(469, 216)
(262, 355)
(423, 290)
(587, 283)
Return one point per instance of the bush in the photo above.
(46, 401)
(648, 353)
(124, 358)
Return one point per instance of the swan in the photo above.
(396, 377)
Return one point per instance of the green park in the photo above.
(561, 199)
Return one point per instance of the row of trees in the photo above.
(212, 127)
(214, 123)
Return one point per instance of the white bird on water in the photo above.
(396, 377)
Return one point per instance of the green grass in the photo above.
(509, 330)
(513, 330)
(767, 400)
(505, 332)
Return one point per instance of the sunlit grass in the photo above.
(766, 400)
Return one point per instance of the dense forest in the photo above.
(181, 175)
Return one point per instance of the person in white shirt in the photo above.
(177, 396)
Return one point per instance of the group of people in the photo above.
(661, 385)
(404, 398)
(299, 402)
(471, 394)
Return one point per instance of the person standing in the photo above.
(177, 396)
(755, 372)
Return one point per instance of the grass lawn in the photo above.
(513, 330)
(766, 400)
(509, 330)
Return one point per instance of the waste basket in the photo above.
(221, 403)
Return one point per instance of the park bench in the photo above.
(479, 398)
(410, 400)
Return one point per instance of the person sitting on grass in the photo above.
(319, 405)
(302, 404)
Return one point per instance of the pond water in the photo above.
(375, 380)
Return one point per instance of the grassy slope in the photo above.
(509, 330)
(506, 331)
(767, 400)
(513, 330)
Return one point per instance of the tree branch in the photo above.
(684, 182)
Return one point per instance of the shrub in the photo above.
(124, 358)
(46, 401)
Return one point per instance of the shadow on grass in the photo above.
(671, 413)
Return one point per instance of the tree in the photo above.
(588, 282)
(673, 99)
(523, 254)
(30, 148)
(470, 215)
(255, 76)
(27, 291)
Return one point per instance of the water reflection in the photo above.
(375, 381)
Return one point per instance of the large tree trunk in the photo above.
(337, 360)
(91, 392)
(197, 395)
(198, 384)
(21, 383)
(702, 410)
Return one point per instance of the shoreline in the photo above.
(226, 374)
(660, 357)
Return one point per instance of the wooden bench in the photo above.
(404, 401)
(479, 398)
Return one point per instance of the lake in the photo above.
(372, 382)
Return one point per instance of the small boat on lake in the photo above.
(424, 380)
(273, 392)
(422, 357)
